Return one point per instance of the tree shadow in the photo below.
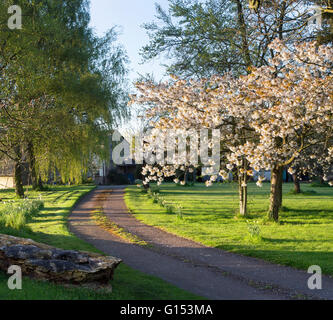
(278, 240)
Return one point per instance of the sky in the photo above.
(128, 15)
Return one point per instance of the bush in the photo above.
(155, 189)
(179, 211)
(88, 180)
(317, 184)
(170, 209)
(16, 214)
(254, 229)
(156, 197)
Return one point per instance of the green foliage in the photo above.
(253, 229)
(303, 236)
(199, 37)
(155, 189)
(62, 89)
(204, 38)
(317, 184)
(15, 214)
(50, 227)
(170, 207)
(179, 211)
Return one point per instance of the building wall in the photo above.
(6, 182)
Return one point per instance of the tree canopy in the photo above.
(203, 38)
(62, 89)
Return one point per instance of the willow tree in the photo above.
(56, 97)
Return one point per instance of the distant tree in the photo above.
(203, 38)
(215, 37)
(61, 89)
(270, 118)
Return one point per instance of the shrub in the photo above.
(169, 209)
(254, 229)
(179, 211)
(160, 201)
(15, 214)
(155, 200)
(88, 180)
(155, 189)
(154, 194)
(318, 184)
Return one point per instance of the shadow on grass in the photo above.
(48, 217)
(277, 240)
(68, 242)
(309, 222)
(297, 259)
(307, 214)
(47, 209)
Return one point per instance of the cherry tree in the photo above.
(291, 110)
(183, 110)
(268, 119)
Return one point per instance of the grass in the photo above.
(102, 220)
(16, 213)
(50, 226)
(303, 237)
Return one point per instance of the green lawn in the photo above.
(50, 227)
(303, 237)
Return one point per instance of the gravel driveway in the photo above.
(205, 271)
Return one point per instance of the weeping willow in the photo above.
(78, 122)
(62, 90)
(66, 156)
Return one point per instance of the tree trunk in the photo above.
(18, 170)
(276, 193)
(36, 182)
(244, 36)
(242, 177)
(242, 189)
(297, 186)
(281, 19)
(186, 175)
(243, 202)
(194, 175)
(240, 193)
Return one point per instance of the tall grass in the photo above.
(16, 214)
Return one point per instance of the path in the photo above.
(205, 271)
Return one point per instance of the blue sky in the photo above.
(129, 15)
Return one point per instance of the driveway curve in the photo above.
(205, 271)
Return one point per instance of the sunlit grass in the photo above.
(50, 226)
(303, 237)
(16, 213)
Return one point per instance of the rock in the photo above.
(45, 262)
